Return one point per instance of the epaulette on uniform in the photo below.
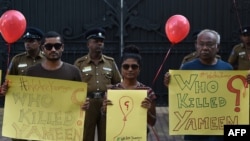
(21, 54)
(191, 55)
(81, 59)
(108, 58)
(84, 57)
(240, 45)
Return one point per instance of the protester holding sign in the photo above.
(130, 68)
(53, 67)
(207, 46)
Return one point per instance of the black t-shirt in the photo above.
(65, 72)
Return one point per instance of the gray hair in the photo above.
(217, 35)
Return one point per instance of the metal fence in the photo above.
(139, 22)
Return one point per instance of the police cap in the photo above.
(33, 33)
(95, 33)
(245, 30)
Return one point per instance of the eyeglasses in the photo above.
(50, 46)
(127, 66)
(207, 44)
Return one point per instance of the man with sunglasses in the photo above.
(32, 55)
(52, 66)
(240, 55)
(98, 70)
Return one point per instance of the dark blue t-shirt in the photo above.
(197, 65)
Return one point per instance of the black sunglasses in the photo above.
(50, 46)
(127, 66)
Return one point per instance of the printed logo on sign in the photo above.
(237, 132)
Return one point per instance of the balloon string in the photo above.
(159, 70)
(237, 14)
(155, 133)
(8, 58)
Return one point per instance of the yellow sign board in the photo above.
(202, 102)
(126, 119)
(44, 109)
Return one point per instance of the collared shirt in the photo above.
(21, 62)
(98, 76)
(239, 57)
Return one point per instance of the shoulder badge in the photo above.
(108, 58)
(21, 54)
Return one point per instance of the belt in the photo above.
(95, 94)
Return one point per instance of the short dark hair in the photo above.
(51, 34)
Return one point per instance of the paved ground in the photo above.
(1, 121)
(161, 127)
(158, 133)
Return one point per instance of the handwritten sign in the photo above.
(126, 119)
(202, 102)
(44, 109)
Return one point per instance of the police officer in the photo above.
(240, 54)
(32, 55)
(98, 70)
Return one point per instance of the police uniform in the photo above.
(240, 55)
(22, 61)
(98, 77)
(189, 57)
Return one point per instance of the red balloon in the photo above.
(12, 25)
(177, 28)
